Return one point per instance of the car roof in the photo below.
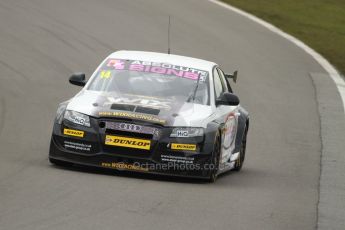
(164, 58)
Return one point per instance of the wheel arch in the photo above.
(242, 126)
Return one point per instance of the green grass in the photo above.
(318, 23)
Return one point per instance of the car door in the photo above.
(227, 116)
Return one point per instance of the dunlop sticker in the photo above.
(127, 142)
(72, 132)
(190, 147)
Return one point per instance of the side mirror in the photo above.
(77, 79)
(228, 99)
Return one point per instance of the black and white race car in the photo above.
(154, 113)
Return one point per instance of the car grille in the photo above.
(139, 130)
(129, 134)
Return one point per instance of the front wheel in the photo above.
(215, 159)
(240, 160)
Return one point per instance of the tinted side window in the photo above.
(226, 81)
(222, 78)
(218, 85)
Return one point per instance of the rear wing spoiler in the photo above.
(232, 76)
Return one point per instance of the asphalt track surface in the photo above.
(43, 41)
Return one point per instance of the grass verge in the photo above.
(318, 23)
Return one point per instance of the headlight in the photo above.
(77, 118)
(59, 113)
(187, 132)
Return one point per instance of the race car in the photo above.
(153, 113)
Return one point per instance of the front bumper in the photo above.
(90, 150)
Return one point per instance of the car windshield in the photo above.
(152, 79)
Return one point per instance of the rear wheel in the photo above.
(215, 159)
(240, 160)
(60, 163)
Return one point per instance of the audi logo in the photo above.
(130, 127)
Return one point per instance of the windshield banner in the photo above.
(154, 67)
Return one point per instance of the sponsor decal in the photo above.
(139, 101)
(132, 116)
(177, 159)
(105, 74)
(158, 68)
(72, 132)
(116, 64)
(229, 136)
(229, 130)
(131, 128)
(127, 142)
(177, 146)
(182, 133)
(124, 166)
(77, 146)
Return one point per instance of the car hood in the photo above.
(164, 111)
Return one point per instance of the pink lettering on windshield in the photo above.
(161, 70)
(175, 72)
(136, 67)
(158, 70)
(165, 69)
(190, 75)
(117, 64)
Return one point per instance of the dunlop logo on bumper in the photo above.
(190, 147)
(127, 142)
(72, 132)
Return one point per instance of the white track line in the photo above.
(338, 80)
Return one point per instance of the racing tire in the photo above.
(239, 162)
(215, 159)
(60, 163)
